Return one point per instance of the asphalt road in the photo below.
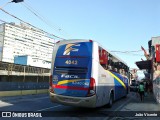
(42, 104)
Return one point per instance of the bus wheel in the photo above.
(110, 100)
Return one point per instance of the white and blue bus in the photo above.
(84, 74)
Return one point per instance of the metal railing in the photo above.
(11, 69)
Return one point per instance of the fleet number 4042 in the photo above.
(73, 62)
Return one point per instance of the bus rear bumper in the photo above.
(89, 102)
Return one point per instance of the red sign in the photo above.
(103, 56)
(158, 53)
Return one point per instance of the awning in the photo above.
(144, 64)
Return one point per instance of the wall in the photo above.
(21, 85)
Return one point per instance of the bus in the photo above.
(84, 74)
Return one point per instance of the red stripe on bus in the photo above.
(72, 57)
(69, 87)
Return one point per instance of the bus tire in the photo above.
(110, 101)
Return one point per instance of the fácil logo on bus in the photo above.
(69, 48)
(69, 76)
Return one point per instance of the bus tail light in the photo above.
(92, 87)
(90, 40)
(50, 84)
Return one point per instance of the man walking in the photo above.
(141, 91)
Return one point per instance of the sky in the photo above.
(118, 25)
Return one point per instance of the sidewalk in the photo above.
(149, 103)
(140, 109)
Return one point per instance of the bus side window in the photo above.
(121, 71)
(109, 67)
(115, 69)
(103, 58)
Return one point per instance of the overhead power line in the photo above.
(7, 22)
(3, 21)
(124, 52)
(29, 24)
(42, 18)
(127, 51)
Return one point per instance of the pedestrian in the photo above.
(150, 87)
(147, 87)
(137, 89)
(141, 91)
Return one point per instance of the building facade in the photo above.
(154, 50)
(20, 40)
(152, 66)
